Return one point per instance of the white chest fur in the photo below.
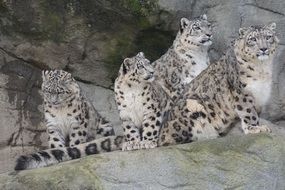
(61, 120)
(133, 100)
(260, 84)
(195, 65)
(261, 91)
(201, 64)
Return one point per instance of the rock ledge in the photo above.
(242, 162)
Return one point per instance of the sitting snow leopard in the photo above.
(69, 117)
(213, 100)
(142, 103)
(187, 57)
(143, 106)
(228, 89)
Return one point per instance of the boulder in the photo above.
(242, 162)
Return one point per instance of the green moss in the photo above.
(4, 13)
(141, 8)
(3, 8)
(129, 26)
(217, 147)
(78, 174)
(153, 42)
(119, 46)
(53, 20)
(225, 154)
(53, 28)
(135, 33)
(133, 6)
(129, 42)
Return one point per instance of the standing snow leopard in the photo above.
(69, 117)
(227, 89)
(186, 58)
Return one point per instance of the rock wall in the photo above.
(252, 162)
(91, 38)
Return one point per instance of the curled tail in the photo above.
(53, 156)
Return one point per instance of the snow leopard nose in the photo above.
(263, 49)
(209, 35)
(54, 98)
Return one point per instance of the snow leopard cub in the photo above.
(69, 117)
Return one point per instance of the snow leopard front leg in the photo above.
(246, 109)
(105, 128)
(78, 133)
(132, 136)
(55, 137)
(150, 129)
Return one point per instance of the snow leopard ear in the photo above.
(242, 31)
(126, 65)
(67, 77)
(45, 75)
(204, 17)
(141, 54)
(184, 22)
(271, 26)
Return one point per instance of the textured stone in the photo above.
(88, 38)
(9, 154)
(20, 110)
(104, 102)
(243, 162)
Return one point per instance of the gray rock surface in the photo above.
(91, 38)
(104, 102)
(239, 162)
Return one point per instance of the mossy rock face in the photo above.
(153, 42)
(246, 162)
(74, 26)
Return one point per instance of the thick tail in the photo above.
(53, 156)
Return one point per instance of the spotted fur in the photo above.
(186, 58)
(223, 92)
(142, 103)
(53, 156)
(69, 117)
(226, 90)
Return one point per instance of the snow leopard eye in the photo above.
(140, 65)
(196, 27)
(269, 37)
(252, 39)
